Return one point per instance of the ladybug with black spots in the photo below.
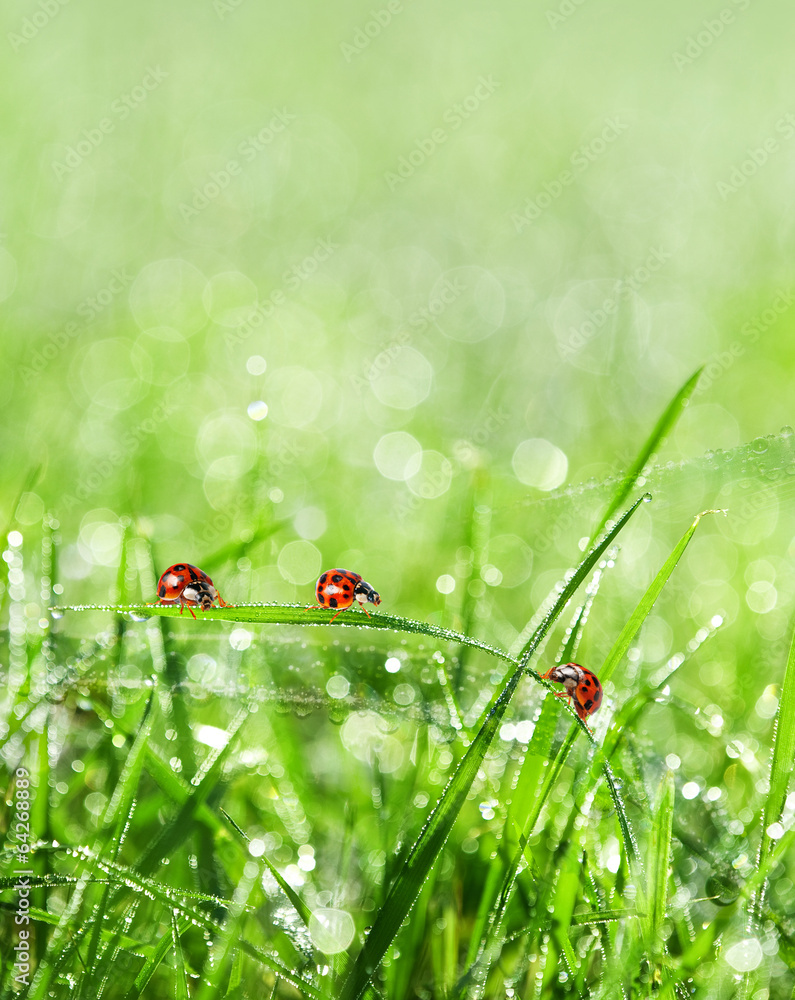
(582, 687)
(188, 586)
(339, 588)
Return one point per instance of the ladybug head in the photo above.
(364, 592)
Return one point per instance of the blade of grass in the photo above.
(223, 947)
(182, 824)
(565, 897)
(232, 551)
(781, 768)
(299, 905)
(646, 603)
(661, 430)
(117, 818)
(416, 868)
(295, 614)
(657, 864)
(574, 582)
(181, 988)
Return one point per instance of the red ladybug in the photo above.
(582, 686)
(189, 586)
(339, 588)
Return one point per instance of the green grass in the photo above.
(446, 857)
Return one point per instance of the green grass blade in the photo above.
(646, 603)
(299, 905)
(660, 432)
(416, 868)
(657, 865)
(295, 614)
(781, 769)
(232, 551)
(183, 823)
(162, 949)
(574, 582)
(223, 947)
(181, 988)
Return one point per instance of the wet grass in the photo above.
(259, 803)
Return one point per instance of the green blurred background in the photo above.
(328, 279)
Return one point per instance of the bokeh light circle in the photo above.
(404, 380)
(539, 463)
(299, 562)
(434, 476)
(331, 930)
(398, 456)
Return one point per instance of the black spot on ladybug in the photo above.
(588, 705)
(332, 602)
(161, 592)
(178, 566)
(323, 578)
(587, 682)
(337, 578)
(346, 588)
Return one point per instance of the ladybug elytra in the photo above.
(339, 588)
(582, 687)
(188, 586)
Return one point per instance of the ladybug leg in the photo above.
(364, 609)
(312, 606)
(184, 604)
(338, 613)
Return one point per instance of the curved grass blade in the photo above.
(662, 429)
(223, 947)
(181, 988)
(646, 603)
(657, 865)
(781, 768)
(183, 822)
(294, 614)
(574, 582)
(416, 868)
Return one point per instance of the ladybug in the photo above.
(339, 588)
(188, 585)
(582, 686)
